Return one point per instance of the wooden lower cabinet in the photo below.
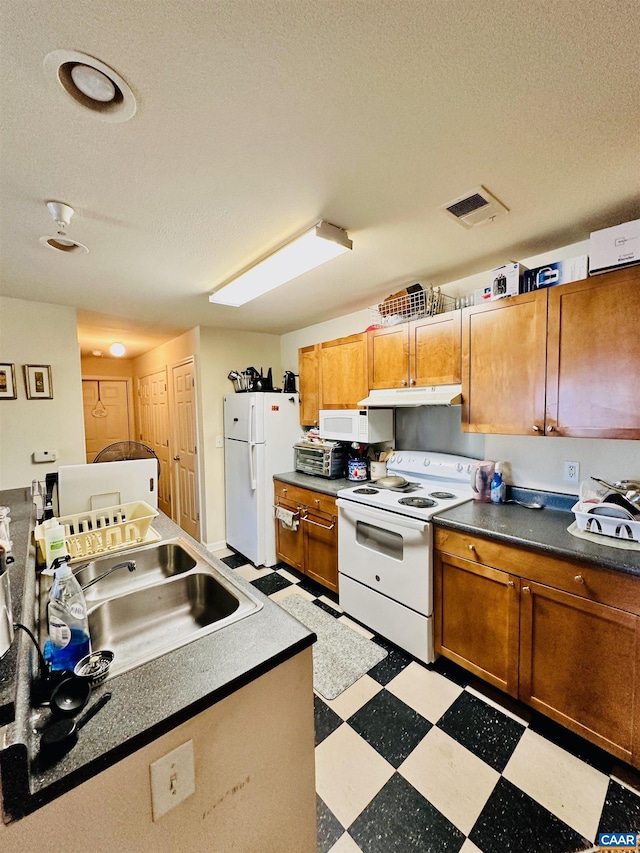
(483, 639)
(571, 653)
(313, 547)
(579, 664)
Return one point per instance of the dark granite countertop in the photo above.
(317, 484)
(147, 701)
(543, 530)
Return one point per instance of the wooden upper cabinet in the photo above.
(503, 365)
(434, 349)
(343, 372)
(309, 384)
(593, 357)
(389, 357)
(421, 352)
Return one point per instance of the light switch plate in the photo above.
(172, 779)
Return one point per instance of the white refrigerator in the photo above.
(260, 430)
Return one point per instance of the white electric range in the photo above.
(385, 545)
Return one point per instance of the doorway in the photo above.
(155, 430)
(108, 413)
(185, 459)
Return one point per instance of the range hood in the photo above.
(430, 395)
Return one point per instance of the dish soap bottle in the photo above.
(67, 617)
(498, 487)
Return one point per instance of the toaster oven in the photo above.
(322, 459)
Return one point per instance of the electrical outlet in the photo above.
(172, 779)
(219, 441)
(572, 472)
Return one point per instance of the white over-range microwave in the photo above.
(367, 426)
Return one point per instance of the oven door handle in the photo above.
(381, 516)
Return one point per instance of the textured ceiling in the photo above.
(256, 119)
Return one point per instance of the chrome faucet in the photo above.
(128, 564)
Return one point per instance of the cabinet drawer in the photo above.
(615, 589)
(306, 497)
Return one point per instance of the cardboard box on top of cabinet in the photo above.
(614, 247)
(482, 294)
(506, 281)
(560, 272)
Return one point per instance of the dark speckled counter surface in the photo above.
(317, 484)
(147, 701)
(542, 530)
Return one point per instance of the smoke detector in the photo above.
(475, 208)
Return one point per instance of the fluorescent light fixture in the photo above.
(312, 249)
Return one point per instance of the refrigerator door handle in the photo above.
(252, 471)
(252, 422)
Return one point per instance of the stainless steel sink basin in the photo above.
(173, 597)
(154, 563)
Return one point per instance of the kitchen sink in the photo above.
(154, 563)
(173, 597)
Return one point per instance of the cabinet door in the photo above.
(434, 346)
(579, 661)
(343, 372)
(290, 543)
(389, 357)
(503, 365)
(309, 384)
(321, 553)
(593, 357)
(476, 619)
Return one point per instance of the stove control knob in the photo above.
(459, 467)
(378, 578)
(396, 458)
(426, 463)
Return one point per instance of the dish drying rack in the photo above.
(422, 303)
(618, 528)
(103, 531)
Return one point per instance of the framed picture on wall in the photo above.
(7, 382)
(37, 381)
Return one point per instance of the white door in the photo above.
(106, 414)
(185, 469)
(244, 502)
(154, 429)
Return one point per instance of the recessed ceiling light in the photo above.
(91, 85)
(117, 349)
(64, 244)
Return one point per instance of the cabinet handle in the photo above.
(315, 523)
(551, 428)
(535, 428)
(526, 590)
(511, 584)
(579, 579)
(472, 547)
(403, 382)
(413, 382)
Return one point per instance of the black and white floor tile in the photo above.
(429, 759)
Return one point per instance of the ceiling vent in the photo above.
(475, 208)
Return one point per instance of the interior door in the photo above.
(154, 429)
(185, 470)
(106, 414)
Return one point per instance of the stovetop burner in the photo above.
(420, 503)
(365, 490)
(443, 496)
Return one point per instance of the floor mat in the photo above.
(341, 656)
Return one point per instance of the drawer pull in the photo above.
(526, 590)
(579, 579)
(284, 491)
(472, 547)
(315, 523)
(511, 584)
(317, 500)
(535, 428)
(551, 428)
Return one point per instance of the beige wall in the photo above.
(39, 333)
(534, 462)
(254, 783)
(222, 350)
(118, 368)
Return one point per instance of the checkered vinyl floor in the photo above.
(430, 759)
